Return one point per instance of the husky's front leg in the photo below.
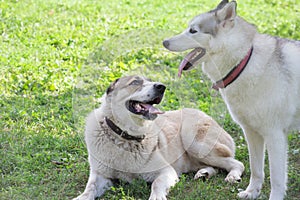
(95, 187)
(277, 146)
(256, 153)
(161, 185)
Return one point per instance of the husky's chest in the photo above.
(266, 103)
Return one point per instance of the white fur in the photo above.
(263, 100)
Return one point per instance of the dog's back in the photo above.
(192, 132)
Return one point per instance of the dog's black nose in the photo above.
(160, 87)
(166, 43)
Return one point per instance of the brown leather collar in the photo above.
(234, 73)
(122, 133)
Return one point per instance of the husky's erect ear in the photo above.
(228, 12)
(111, 86)
(222, 4)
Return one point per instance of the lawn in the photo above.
(58, 57)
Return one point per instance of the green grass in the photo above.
(58, 57)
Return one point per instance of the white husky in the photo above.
(258, 77)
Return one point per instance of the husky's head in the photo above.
(202, 33)
(133, 97)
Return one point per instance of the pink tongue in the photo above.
(152, 109)
(185, 60)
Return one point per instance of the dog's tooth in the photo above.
(138, 107)
(120, 142)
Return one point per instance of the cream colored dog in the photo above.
(128, 138)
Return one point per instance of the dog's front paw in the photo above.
(249, 194)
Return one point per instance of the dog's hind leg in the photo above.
(220, 156)
(95, 187)
(277, 145)
(234, 167)
(256, 153)
(216, 154)
(205, 173)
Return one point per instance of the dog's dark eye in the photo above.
(192, 30)
(136, 82)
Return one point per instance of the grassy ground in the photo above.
(58, 57)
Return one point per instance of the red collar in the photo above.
(234, 73)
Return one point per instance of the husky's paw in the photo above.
(157, 196)
(84, 196)
(233, 178)
(81, 198)
(249, 194)
(205, 173)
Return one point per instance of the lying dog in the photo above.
(258, 77)
(128, 138)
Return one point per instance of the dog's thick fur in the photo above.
(175, 142)
(264, 100)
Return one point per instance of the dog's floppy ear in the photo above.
(111, 86)
(227, 12)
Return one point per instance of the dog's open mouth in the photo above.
(190, 59)
(145, 108)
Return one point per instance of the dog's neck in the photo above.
(137, 126)
(234, 73)
(221, 59)
(122, 133)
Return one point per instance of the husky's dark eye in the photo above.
(192, 30)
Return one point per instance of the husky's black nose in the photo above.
(160, 88)
(166, 43)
